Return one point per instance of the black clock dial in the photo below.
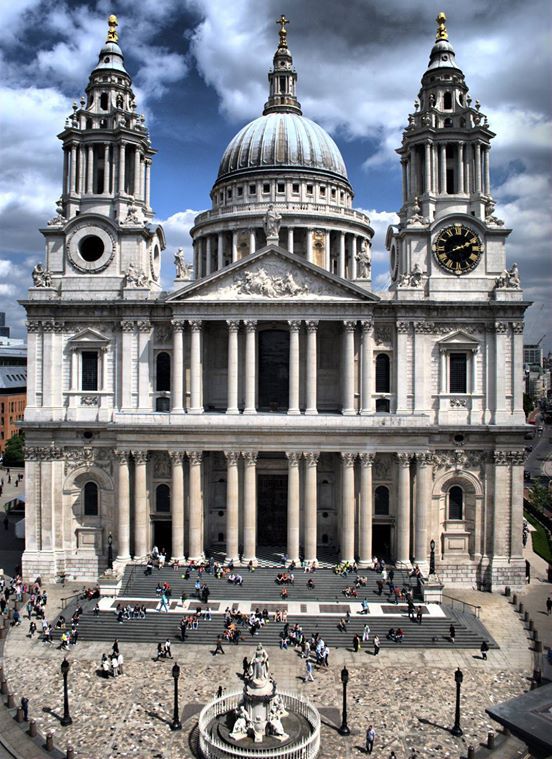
(457, 249)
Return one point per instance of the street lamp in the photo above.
(176, 724)
(110, 551)
(456, 729)
(344, 728)
(66, 719)
(432, 558)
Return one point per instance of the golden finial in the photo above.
(441, 27)
(283, 31)
(112, 35)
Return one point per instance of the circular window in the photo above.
(325, 514)
(91, 248)
(221, 513)
(106, 59)
(459, 438)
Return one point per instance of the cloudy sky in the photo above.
(200, 72)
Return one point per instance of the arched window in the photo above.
(447, 101)
(163, 499)
(456, 503)
(163, 374)
(104, 101)
(90, 496)
(382, 373)
(381, 501)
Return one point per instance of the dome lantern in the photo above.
(282, 79)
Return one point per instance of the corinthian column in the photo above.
(177, 366)
(196, 505)
(311, 500)
(365, 512)
(196, 369)
(294, 327)
(424, 471)
(250, 506)
(312, 361)
(348, 507)
(403, 510)
(140, 504)
(232, 458)
(123, 505)
(177, 504)
(232, 380)
(348, 368)
(250, 367)
(293, 506)
(367, 348)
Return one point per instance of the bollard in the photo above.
(49, 741)
(526, 616)
(10, 703)
(32, 728)
(520, 608)
(4, 687)
(471, 752)
(514, 599)
(3, 632)
(535, 635)
(19, 714)
(538, 646)
(70, 752)
(537, 676)
(490, 739)
(10, 613)
(531, 625)
(507, 591)
(1, 670)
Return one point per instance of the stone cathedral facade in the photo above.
(272, 401)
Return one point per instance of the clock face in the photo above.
(457, 249)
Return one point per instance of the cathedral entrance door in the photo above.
(273, 370)
(272, 510)
(381, 541)
(162, 535)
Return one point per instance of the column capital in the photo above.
(122, 455)
(517, 328)
(140, 457)
(232, 457)
(424, 458)
(403, 328)
(293, 457)
(294, 325)
(250, 457)
(311, 457)
(349, 325)
(127, 326)
(178, 325)
(233, 325)
(196, 457)
(176, 457)
(348, 459)
(312, 326)
(250, 325)
(367, 327)
(143, 325)
(195, 325)
(366, 459)
(403, 458)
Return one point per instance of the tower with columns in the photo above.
(275, 403)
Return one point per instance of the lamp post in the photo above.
(344, 728)
(66, 719)
(432, 558)
(456, 729)
(110, 551)
(176, 724)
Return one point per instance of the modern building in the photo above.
(275, 402)
(13, 383)
(4, 330)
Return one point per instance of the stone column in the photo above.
(477, 160)
(501, 330)
(309, 246)
(401, 366)
(348, 368)
(467, 169)
(73, 186)
(403, 508)
(294, 327)
(365, 511)
(123, 505)
(312, 369)
(106, 175)
(435, 168)
(195, 522)
(220, 250)
(424, 479)
(412, 172)
(140, 504)
(65, 171)
(516, 460)
(250, 507)
(90, 170)
(427, 168)
(136, 183)
(348, 507)
(517, 369)
(342, 255)
(487, 171)
(232, 512)
(208, 262)
(177, 504)
(353, 257)
(232, 379)
(293, 507)
(148, 182)
(443, 172)
(404, 164)
(327, 251)
(234, 246)
(144, 365)
(460, 170)
(122, 168)
(178, 366)
(252, 241)
(367, 350)
(250, 367)
(290, 239)
(127, 338)
(311, 502)
(196, 372)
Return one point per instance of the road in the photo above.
(539, 460)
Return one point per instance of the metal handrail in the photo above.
(65, 601)
(473, 608)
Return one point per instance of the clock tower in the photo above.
(448, 242)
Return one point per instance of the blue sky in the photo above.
(200, 72)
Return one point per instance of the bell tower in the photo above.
(101, 240)
(448, 239)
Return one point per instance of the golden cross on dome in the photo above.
(441, 27)
(112, 35)
(283, 31)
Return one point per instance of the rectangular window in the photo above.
(229, 193)
(322, 191)
(252, 189)
(295, 188)
(266, 188)
(89, 370)
(240, 191)
(458, 373)
(281, 187)
(309, 189)
(333, 192)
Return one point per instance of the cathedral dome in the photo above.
(282, 140)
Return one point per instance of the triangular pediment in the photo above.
(272, 274)
(459, 339)
(88, 337)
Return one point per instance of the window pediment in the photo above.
(458, 341)
(88, 339)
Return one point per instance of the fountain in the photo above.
(260, 720)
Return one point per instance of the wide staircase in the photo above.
(260, 590)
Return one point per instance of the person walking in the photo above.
(168, 648)
(366, 634)
(25, 707)
(370, 738)
(419, 615)
(356, 643)
(549, 605)
(219, 649)
(245, 666)
(376, 645)
(163, 605)
(308, 675)
(484, 648)
(120, 662)
(452, 633)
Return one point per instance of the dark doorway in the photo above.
(162, 535)
(381, 541)
(271, 510)
(273, 370)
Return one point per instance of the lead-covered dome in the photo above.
(282, 140)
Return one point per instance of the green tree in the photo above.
(528, 404)
(540, 497)
(13, 452)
